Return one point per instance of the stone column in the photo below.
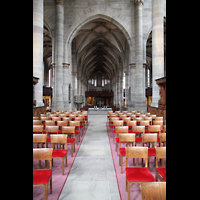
(126, 89)
(157, 48)
(66, 85)
(139, 90)
(38, 49)
(58, 98)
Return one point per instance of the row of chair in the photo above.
(149, 134)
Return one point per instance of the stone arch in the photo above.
(73, 33)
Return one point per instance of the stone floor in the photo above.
(92, 175)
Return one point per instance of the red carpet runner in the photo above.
(121, 178)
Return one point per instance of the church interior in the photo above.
(98, 65)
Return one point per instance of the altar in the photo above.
(98, 111)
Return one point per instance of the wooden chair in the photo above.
(59, 153)
(81, 124)
(111, 123)
(159, 119)
(133, 112)
(126, 120)
(118, 130)
(67, 119)
(55, 119)
(71, 131)
(138, 130)
(77, 129)
(158, 122)
(137, 174)
(43, 115)
(37, 129)
(44, 119)
(60, 124)
(126, 138)
(150, 138)
(43, 176)
(130, 125)
(163, 139)
(40, 138)
(149, 119)
(160, 172)
(145, 123)
(133, 117)
(155, 129)
(51, 129)
(35, 118)
(48, 123)
(154, 190)
(138, 120)
(116, 123)
(37, 122)
(72, 117)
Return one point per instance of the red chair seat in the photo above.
(70, 140)
(122, 151)
(158, 138)
(138, 139)
(139, 174)
(59, 153)
(151, 152)
(117, 140)
(111, 126)
(41, 176)
(130, 131)
(59, 131)
(146, 130)
(162, 172)
(77, 132)
(81, 126)
(44, 131)
(114, 131)
(48, 139)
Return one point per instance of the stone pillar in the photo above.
(157, 48)
(58, 98)
(139, 89)
(126, 89)
(66, 85)
(38, 49)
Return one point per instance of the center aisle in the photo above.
(92, 175)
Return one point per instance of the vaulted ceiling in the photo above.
(99, 46)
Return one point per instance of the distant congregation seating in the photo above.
(141, 136)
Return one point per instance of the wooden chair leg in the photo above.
(66, 161)
(62, 166)
(45, 192)
(121, 164)
(72, 149)
(129, 193)
(51, 186)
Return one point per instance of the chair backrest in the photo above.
(43, 154)
(37, 128)
(159, 119)
(145, 123)
(72, 117)
(133, 112)
(68, 129)
(61, 139)
(153, 190)
(44, 118)
(126, 137)
(153, 116)
(52, 129)
(126, 119)
(37, 122)
(43, 115)
(35, 118)
(62, 123)
(138, 119)
(131, 123)
(66, 119)
(39, 138)
(55, 119)
(133, 117)
(62, 115)
(155, 128)
(75, 123)
(137, 152)
(138, 129)
(147, 114)
(49, 123)
(162, 138)
(149, 138)
(160, 154)
(117, 123)
(157, 122)
(121, 129)
(79, 119)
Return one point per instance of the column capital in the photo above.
(61, 2)
(136, 2)
(132, 65)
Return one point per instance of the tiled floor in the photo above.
(92, 175)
